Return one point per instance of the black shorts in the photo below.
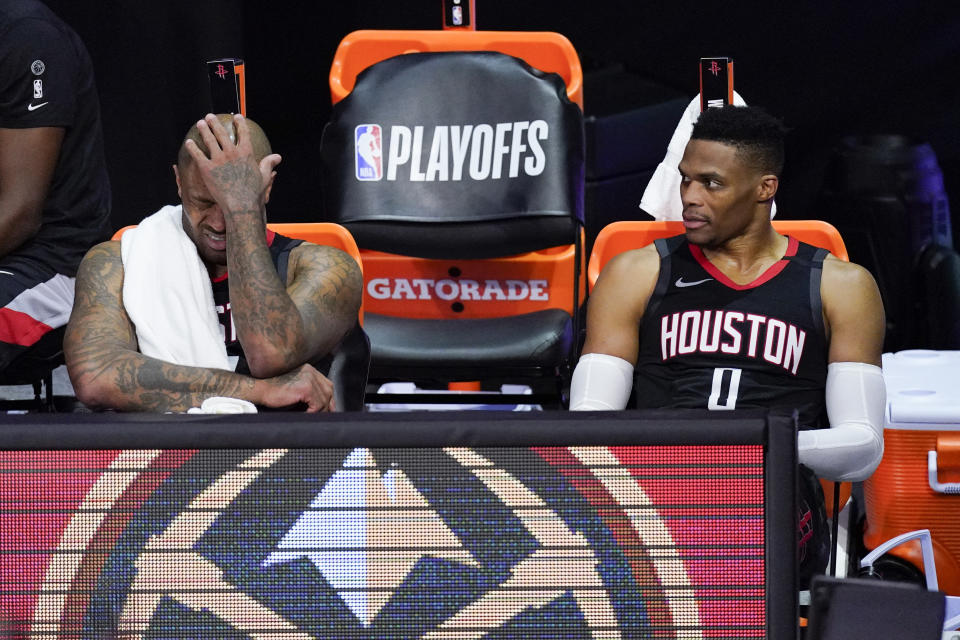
(34, 301)
(813, 531)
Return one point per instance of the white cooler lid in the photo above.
(923, 388)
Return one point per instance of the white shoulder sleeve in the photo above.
(601, 383)
(852, 447)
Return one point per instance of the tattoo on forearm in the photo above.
(239, 181)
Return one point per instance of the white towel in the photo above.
(220, 405)
(661, 198)
(167, 294)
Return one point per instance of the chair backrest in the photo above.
(471, 210)
(477, 178)
(325, 233)
(625, 235)
(547, 51)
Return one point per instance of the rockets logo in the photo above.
(435, 544)
(368, 153)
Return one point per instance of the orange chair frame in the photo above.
(329, 234)
(624, 235)
(547, 51)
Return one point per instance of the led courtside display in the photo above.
(419, 542)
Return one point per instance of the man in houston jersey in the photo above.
(731, 314)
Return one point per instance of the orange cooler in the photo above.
(917, 485)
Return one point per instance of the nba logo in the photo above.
(368, 154)
(37, 88)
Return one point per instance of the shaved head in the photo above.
(258, 139)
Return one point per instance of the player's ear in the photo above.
(767, 187)
(269, 188)
(176, 174)
(267, 166)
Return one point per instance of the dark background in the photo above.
(829, 69)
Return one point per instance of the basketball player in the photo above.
(733, 315)
(273, 305)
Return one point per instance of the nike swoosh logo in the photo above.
(34, 107)
(680, 283)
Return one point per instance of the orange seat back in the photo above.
(625, 235)
(122, 230)
(396, 285)
(546, 51)
(328, 234)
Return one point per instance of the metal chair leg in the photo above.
(51, 407)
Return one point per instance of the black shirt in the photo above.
(46, 80)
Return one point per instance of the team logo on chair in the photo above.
(369, 155)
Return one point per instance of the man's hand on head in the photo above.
(232, 174)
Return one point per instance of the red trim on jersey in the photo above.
(20, 328)
(768, 275)
(271, 234)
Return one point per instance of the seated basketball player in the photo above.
(150, 333)
(733, 315)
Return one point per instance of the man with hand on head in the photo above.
(732, 315)
(202, 301)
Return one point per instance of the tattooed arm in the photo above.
(281, 325)
(107, 371)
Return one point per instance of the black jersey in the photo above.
(280, 247)
(46, 80)
(707, 342)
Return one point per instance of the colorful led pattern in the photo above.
(434, 544)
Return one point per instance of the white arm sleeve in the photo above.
(852, 447)
(601, 383)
